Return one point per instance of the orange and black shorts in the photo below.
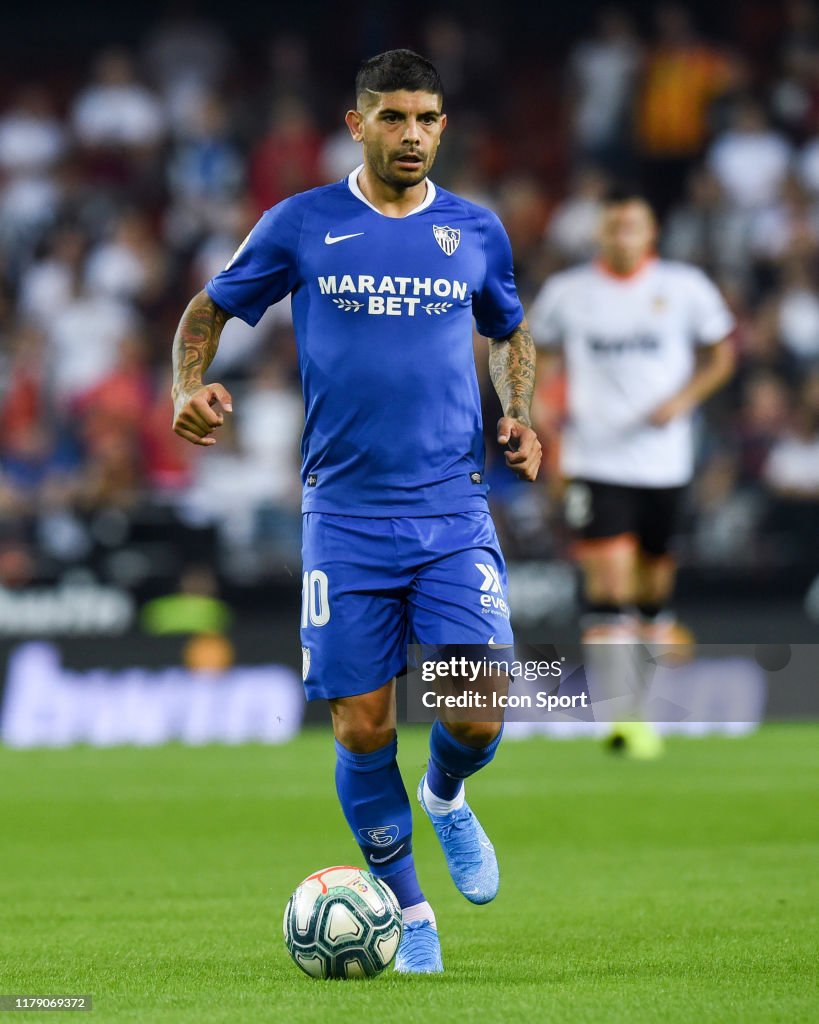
(601, 511)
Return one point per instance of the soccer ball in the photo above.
(342, 923)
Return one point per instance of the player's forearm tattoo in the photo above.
(512, 369)
(195, 343)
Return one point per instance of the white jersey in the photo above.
(629, 344)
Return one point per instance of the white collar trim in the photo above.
(428, 199)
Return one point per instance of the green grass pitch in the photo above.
(681, 890)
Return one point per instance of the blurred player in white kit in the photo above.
(645, 342)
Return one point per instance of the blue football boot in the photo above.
(470, 856)
(419, 951)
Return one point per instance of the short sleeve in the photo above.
(545, 314)
(265, 266)
(497, 308)
(710, 318)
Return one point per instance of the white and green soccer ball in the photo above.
(342, 922)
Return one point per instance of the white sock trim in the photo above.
(419, 912)
(435, 805)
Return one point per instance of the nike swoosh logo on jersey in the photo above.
(383, 860)
(331, 240)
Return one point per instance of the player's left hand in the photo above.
(668, 411)
(525, 449)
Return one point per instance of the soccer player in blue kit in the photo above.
(386, 273)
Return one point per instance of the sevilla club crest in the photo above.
(448, 238)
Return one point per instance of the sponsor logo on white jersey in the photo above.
(642, 344)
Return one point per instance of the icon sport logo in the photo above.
(448, 238)
(384, 835)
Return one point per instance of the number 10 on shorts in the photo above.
(315, 602)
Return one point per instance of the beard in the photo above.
(404, 176)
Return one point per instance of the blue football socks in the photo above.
(450, 762)
(377, 809)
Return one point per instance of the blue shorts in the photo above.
(370, 587)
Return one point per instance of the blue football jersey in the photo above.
(382, 311)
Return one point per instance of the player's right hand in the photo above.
(198, 414)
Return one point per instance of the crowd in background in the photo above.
(119, 200)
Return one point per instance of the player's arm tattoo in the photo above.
(195, 343)
(512, 369)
